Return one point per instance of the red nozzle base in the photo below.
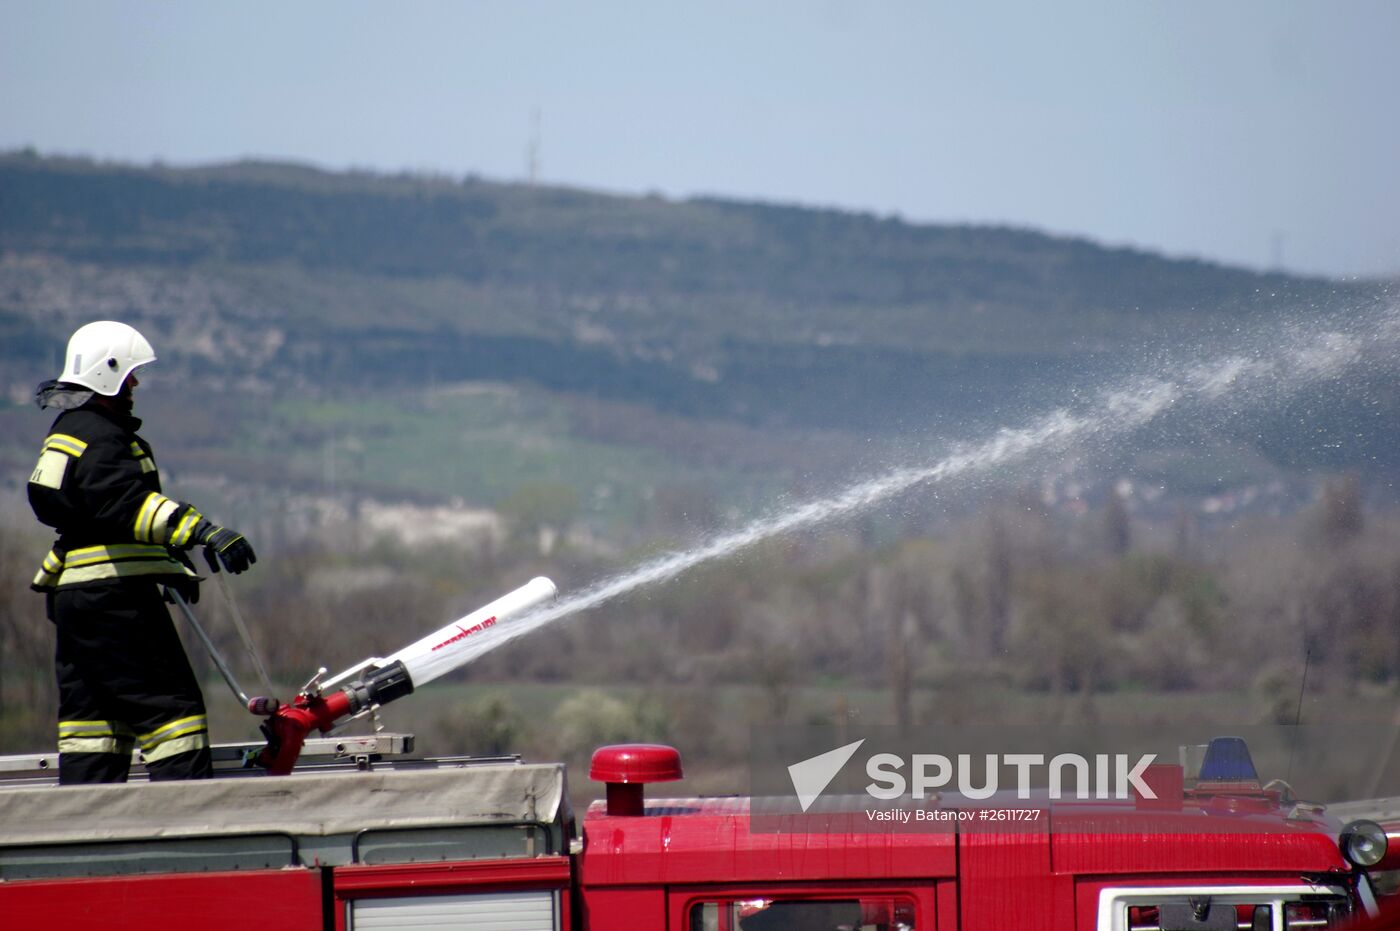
(288, 727)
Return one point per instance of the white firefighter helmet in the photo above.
(101, 355)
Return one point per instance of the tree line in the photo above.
(1015, 599)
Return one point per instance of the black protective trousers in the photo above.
(124, 681)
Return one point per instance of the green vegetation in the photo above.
(483, 444)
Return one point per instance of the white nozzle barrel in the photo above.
(444, 650)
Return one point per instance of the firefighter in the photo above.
(123, 677)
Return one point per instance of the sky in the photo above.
(1264, 133)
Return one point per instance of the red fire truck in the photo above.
(368, 841)
(356, 836)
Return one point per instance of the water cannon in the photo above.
(324, 705)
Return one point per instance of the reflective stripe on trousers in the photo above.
(95, 737)
(179, 736)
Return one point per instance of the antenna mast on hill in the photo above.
(532, 148)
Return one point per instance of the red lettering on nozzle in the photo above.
(466, 632)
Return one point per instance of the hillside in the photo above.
(720, 335)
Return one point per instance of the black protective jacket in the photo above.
(96, 484)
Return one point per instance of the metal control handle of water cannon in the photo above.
(288, 726)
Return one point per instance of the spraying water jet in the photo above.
(1276, 365)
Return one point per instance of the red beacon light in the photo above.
(626, 768)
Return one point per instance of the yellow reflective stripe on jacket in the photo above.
(65, 444)
(182, 727)
(95, 563)
(153, 518)
(148, 464)
(185, 528)
(120, 570)
(89, 555)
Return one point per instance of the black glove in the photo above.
(224, 546)
(187, 589)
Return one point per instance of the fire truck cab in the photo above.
(371, 843)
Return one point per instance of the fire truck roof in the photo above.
(310, 805)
